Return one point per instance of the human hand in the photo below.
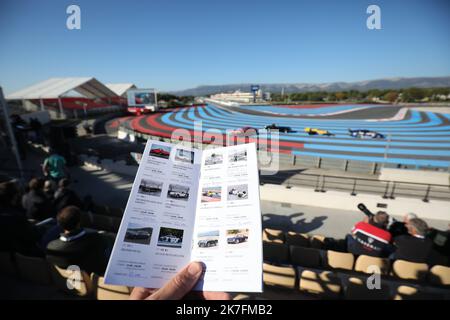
(178, 287)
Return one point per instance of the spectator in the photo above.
(10, 198)
(52, 233)
(48, 190)
(36, 127)
(20, 127)
(54, 167)
(16, 232)
(398, 228)
(370, 237)
(415, 246)
(76, 246)
(36, 203)
(64, 196)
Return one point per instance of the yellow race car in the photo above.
(315, 131)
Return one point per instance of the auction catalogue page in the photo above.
(191, 205)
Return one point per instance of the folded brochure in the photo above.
(191, 205)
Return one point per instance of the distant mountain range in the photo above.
(389, 83)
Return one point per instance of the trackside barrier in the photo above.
(289, 161)
(383, 188)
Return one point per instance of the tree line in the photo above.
(388, 95)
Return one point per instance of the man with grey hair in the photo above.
(398, 228)
(415, 247)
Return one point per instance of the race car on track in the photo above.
(365, 134)
(244, 131)
(315, 131)
(273, 126)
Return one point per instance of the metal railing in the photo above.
(354, 186)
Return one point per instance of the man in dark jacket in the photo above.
(76, 246)
(415, 246)
(64, 196)
(398, 228)
(16, 233)
(36, 203)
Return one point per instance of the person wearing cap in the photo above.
(370, 237)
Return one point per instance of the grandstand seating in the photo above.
(33, 269)
(6, 264)
(339, 260)
(273, 235)
(325, 273)
(440, 276)
(279, 276)
(103, 218)
(297, 239)
(409, 270)
(306, 257)
(317, 241)
(405, 292)
(323, 283)
(357, 289)
(39, 271)
(61, 277)
(104, 291)
(276, 252)
(304, 270)
(364, 262)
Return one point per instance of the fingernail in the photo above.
(195, 268)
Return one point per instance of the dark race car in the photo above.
(273, 126)
(365, 134)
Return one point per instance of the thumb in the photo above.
(181, 284)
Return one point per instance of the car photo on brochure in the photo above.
(178, 192)
(150, 187)
(239, 155)
(160, 151)
(214, 158)
(170, 237)
(237, 237)
(183, 155)
(237, 192)
(136, 233)
(208, 239)
(211, 194)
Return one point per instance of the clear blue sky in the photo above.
(177, 44)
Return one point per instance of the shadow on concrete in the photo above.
(281, 177)
(289, 223)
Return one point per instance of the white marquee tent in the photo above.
(121, 88)
(57, 88)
